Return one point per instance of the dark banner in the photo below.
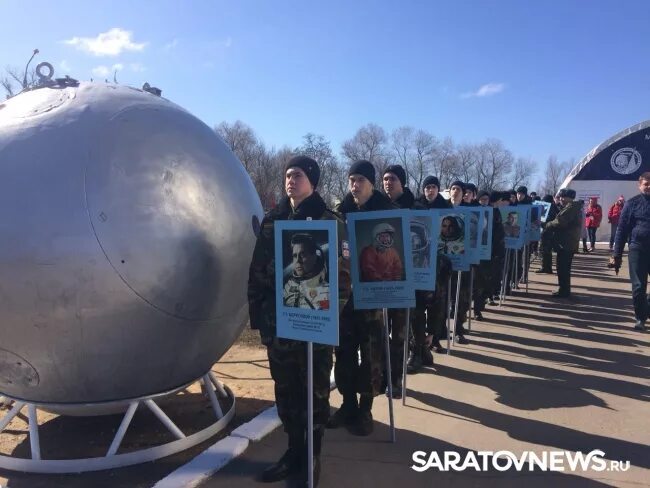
(623, 160)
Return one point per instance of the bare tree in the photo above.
(467, 166)
(13, 81)
(260, 164)
(426, 146)
(402, 148)
(368, 143)
(523, 170)
(333, 184)
(445, 162)
(555, 173)
(494, 164)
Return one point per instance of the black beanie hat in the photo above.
(567, 193)
(482, 194)
(398, 171)
(522, 189)
(363, 168)
(430, 180)
(471, 187)
(308, 165)
(495, 196)
(548, 198)
(458, 183)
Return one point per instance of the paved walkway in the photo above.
(540, 374)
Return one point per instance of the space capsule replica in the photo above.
(126, 231)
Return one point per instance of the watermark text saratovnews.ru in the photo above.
(506, 460)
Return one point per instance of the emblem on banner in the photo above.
(626, 161)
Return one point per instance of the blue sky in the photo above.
(558, 77)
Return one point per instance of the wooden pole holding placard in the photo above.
(389, 381)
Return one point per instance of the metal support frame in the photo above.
(405, 352)
(505, 277)
(449, 328)
(390, 378)
(460, 276)
(310, 414)
(526, 265)
(471, 299)
(111, 459)
(515, 269)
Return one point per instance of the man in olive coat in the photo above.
(565, 232)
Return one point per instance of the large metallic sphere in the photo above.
(126, 231)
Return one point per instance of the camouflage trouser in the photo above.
(288, 362)
(397, 330)
(482, 285)
(360, 330)
(498, 262)
(464, 299)
(546, 249)
(434, 303)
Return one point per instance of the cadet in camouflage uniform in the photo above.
(394, 183)
(360, 330)
(457, 193)
(430, 313)
(288, 358)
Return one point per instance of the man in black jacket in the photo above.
(360, 330)
(634, 227)
(394, 183)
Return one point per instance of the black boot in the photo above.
(427, 357)
(363, 426)
(289, 463)
(414, 363)
(397, 388)
(345, 415)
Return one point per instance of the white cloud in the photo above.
(103, 71)
(486, 90)
(137, 67)
(110, 43)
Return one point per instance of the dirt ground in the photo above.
(243, 368)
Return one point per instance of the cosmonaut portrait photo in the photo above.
(380, 248)
(421, 241)
(511, 225)
(306, 277)
(452, 234)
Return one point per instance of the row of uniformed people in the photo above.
(361, 331)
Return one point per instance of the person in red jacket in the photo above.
(613, 216)
(593, 217)
(380, 261)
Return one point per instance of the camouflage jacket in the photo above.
(261, 276)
